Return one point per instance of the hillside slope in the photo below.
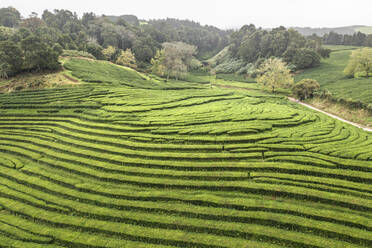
(331, 77)
(125, 161)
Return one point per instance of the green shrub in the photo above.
(75, 53)
(306, 58)
(305, 89)
(230, 65)
(324, 52)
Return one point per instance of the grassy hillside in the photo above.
(126, 161)
(330, 76)
(366, 29)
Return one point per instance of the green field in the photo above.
(330, 76)
(124, 160)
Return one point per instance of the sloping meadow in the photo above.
(127, 160)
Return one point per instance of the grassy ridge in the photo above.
(330, 76)
(128, 161)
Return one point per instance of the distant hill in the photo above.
(365, 29)
(340, 30)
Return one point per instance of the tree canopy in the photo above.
(127, 58)
(251, 45)
(174, 59)
(9, 17)
(360, 63)
(305, 88)
(274, 73)
(109, 37)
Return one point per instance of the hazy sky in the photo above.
(220, 13)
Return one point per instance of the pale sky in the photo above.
(220, 13)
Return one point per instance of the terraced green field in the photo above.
(331, 77)
(125, 161)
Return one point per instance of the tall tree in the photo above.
(174, 59)
(11, 57)
(4, 70)
(274, 73)
(9, 17)
(39, 55)
(360, 63)
(127, 58)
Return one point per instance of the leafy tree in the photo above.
(11, 58)
(88, 17)
(109, 53)
(9, 17)
(305, 89)
(157, 63)
(360, 63)
(306, 58)
(57, 48)
(6, 33)
(251, 44)
(333, 38)
(33, 23)
(324, 52)
(145, 48)
(174, 59)
(296, 40)
(368, 41)
(64, 20)
(39, 55)
(250, 49)
(280, 41)
(127, 58)
(95, 50)
(356, 39)
(274, 73)
(4, 70)
(66, 42)
(205, 38)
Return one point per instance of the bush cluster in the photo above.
(305, 89)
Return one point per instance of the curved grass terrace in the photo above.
(125, 161)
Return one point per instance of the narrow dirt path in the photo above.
(331, 115)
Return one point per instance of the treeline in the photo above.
(118, 39)
(250, 46)
(128, 41)
(207, 39)
(93, 33)
(26, 48)
(356, 39)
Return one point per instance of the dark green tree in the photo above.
(39, 55)
(9, 17)
(11, 57)
(305, 89)
(145, 48)
(306, 58)
(95, 50)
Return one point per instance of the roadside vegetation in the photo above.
(331, 77)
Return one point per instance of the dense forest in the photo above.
(35, 43)
(356, 39)
(64, 30)
(250, 46)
